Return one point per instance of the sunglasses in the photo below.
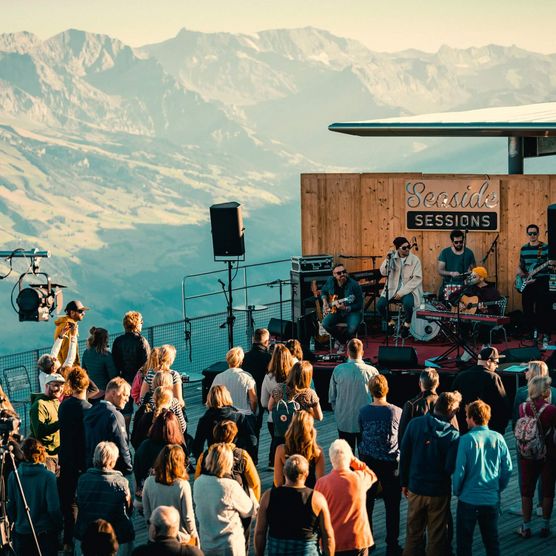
(459, 242)
(340, 272)
(532, 233)
(404, 247)
(80, 311)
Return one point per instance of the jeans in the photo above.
(387, 475)
(352, 438)
(340, 333)
(467, 516)
(407, 302)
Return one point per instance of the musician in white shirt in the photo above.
(404, 282)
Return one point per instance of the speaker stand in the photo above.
(228, 294)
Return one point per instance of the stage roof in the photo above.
(533, 120)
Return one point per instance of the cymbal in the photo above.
(247, 308)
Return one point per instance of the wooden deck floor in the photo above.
(511, 544)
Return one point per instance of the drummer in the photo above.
(453, 263)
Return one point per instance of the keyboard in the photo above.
(493, 320)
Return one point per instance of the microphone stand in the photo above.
(493, 249)
(388, 265)
(280, 283)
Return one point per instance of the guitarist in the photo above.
(536, 299)
(341, 286)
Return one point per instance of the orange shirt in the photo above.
(346, 492)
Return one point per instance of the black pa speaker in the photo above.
(281, 328)
(521, 355)
(551, 215)
(391, 357)
(227, 230)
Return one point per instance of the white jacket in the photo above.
(412, 277)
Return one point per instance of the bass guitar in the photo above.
(469, 304)
(521, 282)
(321, 335)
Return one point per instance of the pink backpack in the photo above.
(529, 434)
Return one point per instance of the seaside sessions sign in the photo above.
(445, 204)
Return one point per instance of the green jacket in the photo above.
(44, 422)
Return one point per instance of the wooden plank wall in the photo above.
(360, 214)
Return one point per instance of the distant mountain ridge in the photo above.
(110, 155)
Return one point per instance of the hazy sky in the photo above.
(381, 25)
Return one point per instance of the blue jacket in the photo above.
(483, 467)
(104, 422)
(39, 487)
(352, 287)
(428, 455)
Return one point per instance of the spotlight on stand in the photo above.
(38, 301)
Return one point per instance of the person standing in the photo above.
(404, 283)
(71, 456)
(105, 422)
(427, 458)
(345, 489)
(379, 449)
(45, 423)
(482, 471)
(97, 359)
(338, 287)
(482, 382)
(349, 392)
(454, 261)
(130, 352)
(535, 297)
(67, 330)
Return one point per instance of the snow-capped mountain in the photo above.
(111, 155)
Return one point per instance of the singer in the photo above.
(454, 262)
(404, 282)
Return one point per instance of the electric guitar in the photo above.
(521, 282)
(321, 335)
(334, 302)
(469, 304)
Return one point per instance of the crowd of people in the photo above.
(110, 436)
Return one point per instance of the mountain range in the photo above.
(110, 155)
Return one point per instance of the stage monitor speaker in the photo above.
(281, 328)
(391, 357)
(521, 355)
(551, 215)
(227, 230)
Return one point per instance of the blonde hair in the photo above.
(536, 368)
(219, 396)
(162, 378)
(151, 362)
(162, 399)
(234, 357)
(132, 321)
(219, 460)
(538, 387)
(301, 436)
(166, 356)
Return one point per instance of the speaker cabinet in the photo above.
(521, 355)
(391, 357)
(283, 329)
(227, 230)
(303, 301)
(551, 215)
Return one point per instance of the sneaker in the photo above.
(524, 533)
(341, 349)
(538, 511)
(404, 332)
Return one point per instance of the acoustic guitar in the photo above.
(469, 304)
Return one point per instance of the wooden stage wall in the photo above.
(360, 214)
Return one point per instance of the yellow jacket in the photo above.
(64, 349)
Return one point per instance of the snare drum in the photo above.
(450, 289)
(422, 329)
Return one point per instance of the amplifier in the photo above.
(312, 262)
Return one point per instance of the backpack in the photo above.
(529, 435)
(282, 413)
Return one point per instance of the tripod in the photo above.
(5, 534)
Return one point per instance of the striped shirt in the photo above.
(532, 256)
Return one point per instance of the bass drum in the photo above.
(422, 329)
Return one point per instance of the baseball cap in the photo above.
(55, 377)
(76, 305)
(489, 353)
